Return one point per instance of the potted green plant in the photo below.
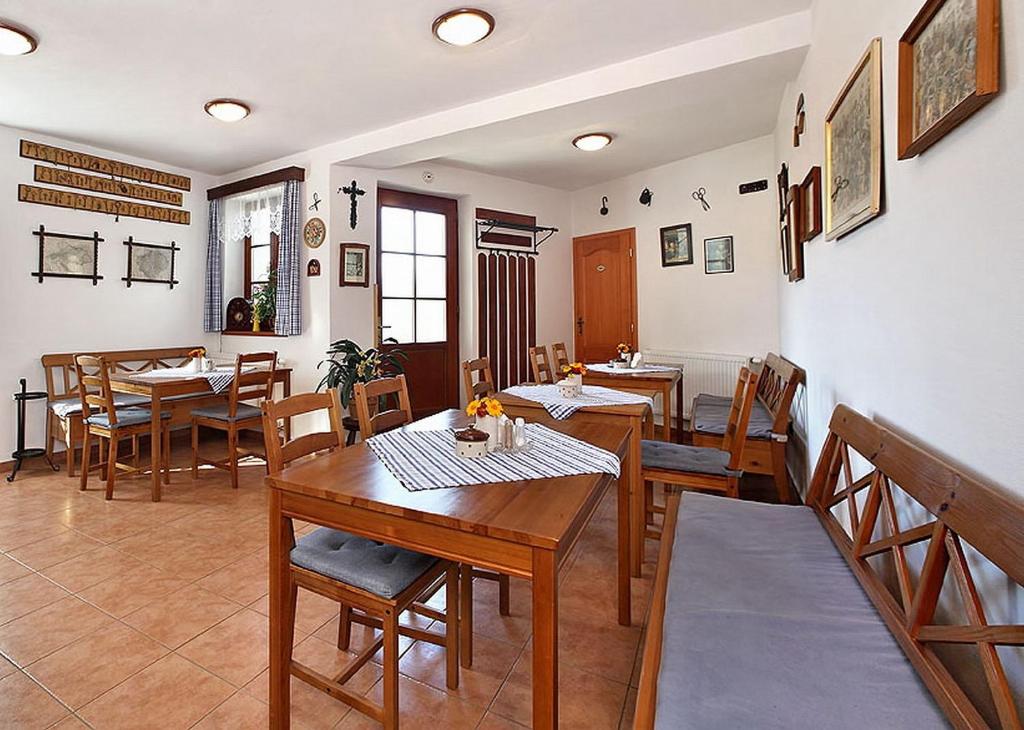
(264, 303)
(348, 364)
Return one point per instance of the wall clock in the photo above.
(314, 232)
(239, 315)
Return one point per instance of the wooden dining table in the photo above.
(159, 389)
(650, 382)
(523, 528)
(638, 418)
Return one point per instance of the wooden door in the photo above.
(604, 278)
(418, 292)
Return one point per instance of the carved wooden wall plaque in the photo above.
(80, 201)
(106, 166)
(69, 179)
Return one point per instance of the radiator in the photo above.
(702, 372)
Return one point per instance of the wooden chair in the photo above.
(699, 467)
(540, 364)
(484, 383)
(561, 355)
(236, 415)
(321, 565)
(112, 423)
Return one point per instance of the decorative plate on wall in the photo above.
(314, 232)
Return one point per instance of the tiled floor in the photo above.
(130, 614)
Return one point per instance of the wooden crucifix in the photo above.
(353, 192)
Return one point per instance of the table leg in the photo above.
(679, 410)
(281, 619)
(155, 424)
(626, 479)
(286, 387)
(633, 468)
(545, 640)
(666, 416)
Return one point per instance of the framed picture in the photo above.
(795, 254)
(355, 265)
(718, 255)
(810, 205)
(151, 263)
(949, 68)
(853, 148)
(67, 256)
(677, 245)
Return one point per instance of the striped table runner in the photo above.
(561, 408)
(219, 379)
(427, 460)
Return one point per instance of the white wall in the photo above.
(680, 307)
(64, 315)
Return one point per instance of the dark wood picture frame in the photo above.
(731, 260)
(42, 273)
(796, 243)
(344, 280)
(986, 73)
(130, 278)
(810, 206)
(679, 260)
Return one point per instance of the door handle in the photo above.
(579, 325)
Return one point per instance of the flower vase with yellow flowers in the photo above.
(624, 350)
(487, 412)
(574, 372)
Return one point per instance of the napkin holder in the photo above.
(471, 443)
(569, 388)
(620, 364)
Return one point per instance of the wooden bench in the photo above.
(765, 449)
(64, 420)
(824, 616)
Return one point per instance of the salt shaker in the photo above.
(520, 433)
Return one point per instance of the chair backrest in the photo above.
(561, 355)
(59, 367)
(739, 416)
(93, 374)
(540, 364)
(483, 384)
(778, 380)
(369, 395)
(281, 453)
(254, 378)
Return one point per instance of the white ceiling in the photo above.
(133, 76)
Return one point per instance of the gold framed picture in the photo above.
(853, 148)
(949, 68)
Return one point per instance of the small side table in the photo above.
(21, 398)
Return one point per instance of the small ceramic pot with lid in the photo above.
(471, 443)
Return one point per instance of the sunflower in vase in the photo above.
(483, 407)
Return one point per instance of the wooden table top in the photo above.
(537, 512)
(139, 383)
(510, 401)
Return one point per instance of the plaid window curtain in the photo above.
(288, 320)
(213, 302)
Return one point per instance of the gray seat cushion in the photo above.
(64, 407)
(766, 627)
(381, 569)
(220, 412)
(125, 417)
(692, 459)
(711, 415)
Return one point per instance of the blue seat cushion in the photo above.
(125, 417)
(381, 569)
(711, 415)
(64, 407)
(220, 412)
(690, 459)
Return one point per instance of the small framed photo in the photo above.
(718, 258)
(355, 265)
(677, 245)
(810, 205)
(795, 255)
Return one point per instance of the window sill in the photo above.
(247, 333)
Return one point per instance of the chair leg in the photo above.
(504, 595)
(111, 465)
(648, 502)
(135, 451)
(779, 473)
(86, 449)
(233, 456)
(466, 615)
(344, 627)
(732, 488)
(165, 452)
(391, 670)
(451, 627)
(69, 453)
(195, 449)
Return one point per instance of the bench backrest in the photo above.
(959, 510)
(61, 381)
(776, 388)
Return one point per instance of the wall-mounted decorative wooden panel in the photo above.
(506, 314)
(80, 201)
(83, 161)
(69, 179)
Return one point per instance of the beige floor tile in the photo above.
(312, 611)
(153, 698)
(70, 723)
(182, 615)
(629, 710)
(311, 709)
(24, 531)
(492, 662)
(497, 722)
(243, 581)
(91, 568)
(235, 649)
(421, 707)
(50, 628)
(25, 595)
(82, 671)
(25, 705)
(53, 550)
(238, 712)
(11, 570)
(326, 658)
(6, 667)
(130, 591)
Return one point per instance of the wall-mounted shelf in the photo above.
(512, 232)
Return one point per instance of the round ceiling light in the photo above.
(463, 27)
(227, 110)
(592, 142)
(15, 42)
